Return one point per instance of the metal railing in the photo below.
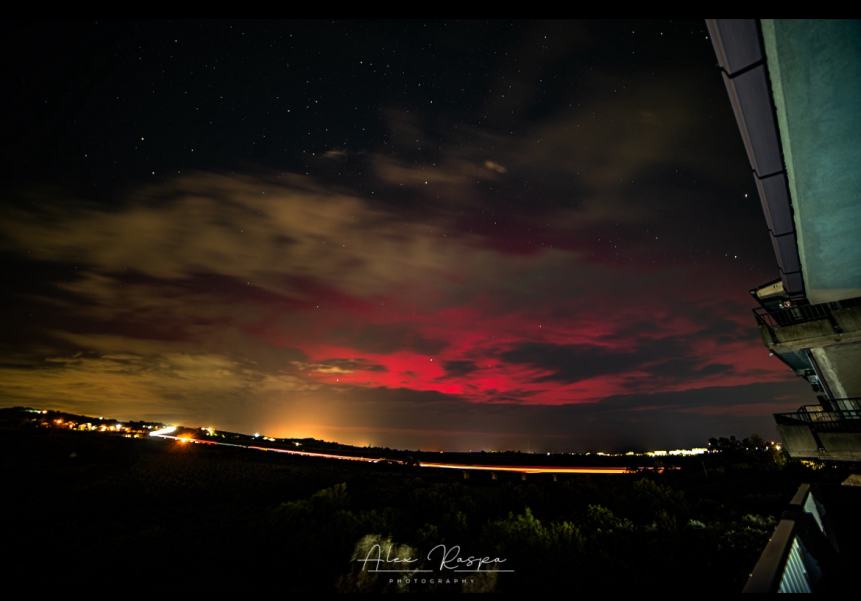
(798, 314)
(846, 417)
(792, 315)
(798, 551)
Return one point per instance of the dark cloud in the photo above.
(685, 368)
(548, 246)
(572, 363)
(387, 338)
(460, 368)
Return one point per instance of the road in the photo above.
(166, 433)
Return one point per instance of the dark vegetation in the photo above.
(153, 511)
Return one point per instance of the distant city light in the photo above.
(139, 429)
(678, 452)
(163, 431)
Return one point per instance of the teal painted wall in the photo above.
(815, 70)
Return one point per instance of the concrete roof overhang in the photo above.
(795, 89)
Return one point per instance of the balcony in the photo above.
(800, 321)
(821, 343)
(828, 433)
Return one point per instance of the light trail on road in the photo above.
(529, 469)
(522, 469)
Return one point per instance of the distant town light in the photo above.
(163, 431)
(678, 452)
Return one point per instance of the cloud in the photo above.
(155, 386)
(287, 273)
(335, 154)
(339, 366)
(459, 368)
(494, 166)
(548, 285)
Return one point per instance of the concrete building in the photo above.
(795, 89)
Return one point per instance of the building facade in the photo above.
(795, 89)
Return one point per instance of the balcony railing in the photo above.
(792, 315)
(797, 553)
(798, 314)
(846, 417)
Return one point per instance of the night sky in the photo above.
(462, 235)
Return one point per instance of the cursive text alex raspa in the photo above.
(448, 558)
